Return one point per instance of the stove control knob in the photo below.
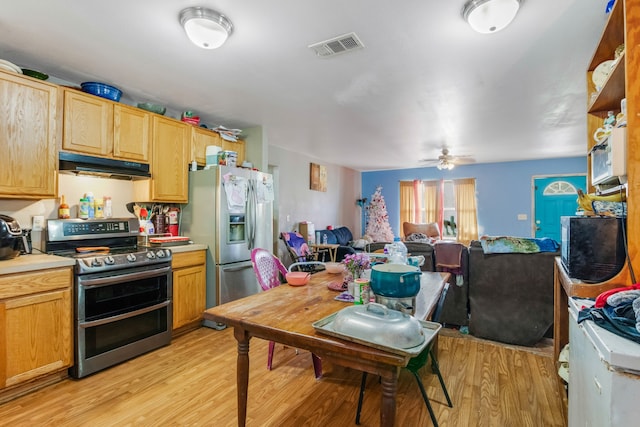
(160, 253)
(109, 260)
(151, 255)
(97, 262)
(131, 257)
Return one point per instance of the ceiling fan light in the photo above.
(205, 28)
(490, 16)
(445, 165)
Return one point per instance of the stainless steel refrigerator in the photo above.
(231, 211)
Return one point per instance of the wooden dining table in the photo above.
(285, 314)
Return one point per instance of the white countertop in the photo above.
(34, 262)
(187, 248)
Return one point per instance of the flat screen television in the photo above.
(592, 247)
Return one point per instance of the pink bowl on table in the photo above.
(298, 278)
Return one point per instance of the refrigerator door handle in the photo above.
(251, 214)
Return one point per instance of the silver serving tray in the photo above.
(430, 329)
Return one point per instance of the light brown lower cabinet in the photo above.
(189, 290)
(35, 325)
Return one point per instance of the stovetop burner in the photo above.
(101, 245)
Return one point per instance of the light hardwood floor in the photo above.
(192, 383)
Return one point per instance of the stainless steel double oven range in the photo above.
(122, 293)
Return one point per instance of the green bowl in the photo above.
(34, 74)
(154, 108)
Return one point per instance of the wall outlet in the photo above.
(522, 217)
(38, 223)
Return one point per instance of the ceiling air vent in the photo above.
(337, 45)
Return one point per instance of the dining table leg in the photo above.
(242, 374)
(388, 399)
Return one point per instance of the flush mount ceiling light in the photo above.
(444, 164)
(490, 16)
(206, 28)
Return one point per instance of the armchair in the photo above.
(429, 229)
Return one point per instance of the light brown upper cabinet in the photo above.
(131, 133)
(100, 127)
(237, 146)
(30, 130)
(171, 146)
(200, 139)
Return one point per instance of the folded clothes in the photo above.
(623, 297)
(601, 300)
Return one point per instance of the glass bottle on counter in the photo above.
(63, 210)
(108, 208)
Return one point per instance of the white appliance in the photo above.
(230, 210)
(604, 374)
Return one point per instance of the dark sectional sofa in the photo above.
(505, 297)
(510, 295)
(341, 236)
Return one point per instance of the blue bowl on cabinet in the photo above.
(102, 90)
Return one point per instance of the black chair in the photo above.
(416, 363)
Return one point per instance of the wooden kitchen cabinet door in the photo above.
(31, 128)
(189, 288)
(37, 336)
(200, 139)
(88, 124)
(131, 133)
(170, 151)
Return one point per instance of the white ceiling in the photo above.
(424, 79)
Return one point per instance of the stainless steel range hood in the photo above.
(78, 164)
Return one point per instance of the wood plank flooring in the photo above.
(192, 383)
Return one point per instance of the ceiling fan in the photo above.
(447, 161)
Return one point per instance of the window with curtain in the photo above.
(450, 203)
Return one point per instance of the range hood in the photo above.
(78, 164)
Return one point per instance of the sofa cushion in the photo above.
(330, 237)
(429, 229)
(343, 235)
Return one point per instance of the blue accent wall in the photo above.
(503, 190)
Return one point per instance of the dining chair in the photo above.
(269, 271)
(416, 363)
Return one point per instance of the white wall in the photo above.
(296, 202)
(72, 187)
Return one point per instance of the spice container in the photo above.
(99, 208)
(362, 288)
(83, 208)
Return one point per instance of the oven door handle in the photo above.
(121, 278)
(123, 316)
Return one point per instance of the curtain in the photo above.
(466, 211)
(430, 197)
(407, 202)
(417, 216)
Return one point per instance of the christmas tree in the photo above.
(378, 227)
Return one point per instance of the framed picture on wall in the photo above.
(318, 177)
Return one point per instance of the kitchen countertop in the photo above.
(33, 262)
(187, 248)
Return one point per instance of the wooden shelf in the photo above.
(612, 91)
